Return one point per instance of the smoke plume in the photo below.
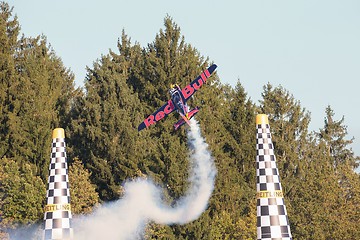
(143, 200)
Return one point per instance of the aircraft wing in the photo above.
(158, 115)
(195, 85)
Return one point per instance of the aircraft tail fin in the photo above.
(189, 115)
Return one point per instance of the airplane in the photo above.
(178, 101)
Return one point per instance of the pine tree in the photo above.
(104, 133)
(40, 102)
(241, 128)
(35, 90)
(289, 125)
(348, 212)
(167, 60)
(343, 162)
(333, 136)
(312, 198)
(9, 30)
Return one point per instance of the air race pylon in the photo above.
(272, 219)
(58, 210)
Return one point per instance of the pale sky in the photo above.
(310, 47)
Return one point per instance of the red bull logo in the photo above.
(153, 118)
(195, 85)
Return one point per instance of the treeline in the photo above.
(38, 94)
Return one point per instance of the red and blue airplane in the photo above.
(178, 101)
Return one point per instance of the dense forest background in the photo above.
(38, 94)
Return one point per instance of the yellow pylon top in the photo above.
(58, 133)
(262, 119)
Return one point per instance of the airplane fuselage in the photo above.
(179, 101)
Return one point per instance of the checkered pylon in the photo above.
(272, 219)
(58, 210)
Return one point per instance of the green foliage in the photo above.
(224, 226)
(156, 231)
(22, 195)
(82, 192)
(333, 136)
(36, 91)
(39, 102)
(315, 179)
(37, 94)
(9, 29)
(103, 126)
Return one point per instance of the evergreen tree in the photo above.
(167, 60)
(105, 131)
(342, 160)
(313, 198)
(241, 127)
(348, 212)
(40, 102)
(289, 127)
(9, 30)
(35, 89)
(320, 206)
(333, 136)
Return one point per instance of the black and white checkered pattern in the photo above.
(57, 211)
(272, 220)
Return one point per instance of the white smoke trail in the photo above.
(127, 218)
